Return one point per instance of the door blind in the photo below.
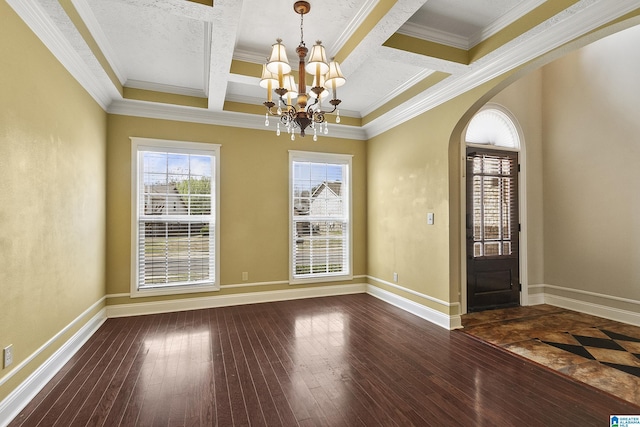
(494, 215)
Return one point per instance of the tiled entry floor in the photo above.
(596, 351)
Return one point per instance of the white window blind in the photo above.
(320, 216)
(175, 208)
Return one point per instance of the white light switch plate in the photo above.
(7, 354)
(430, 218)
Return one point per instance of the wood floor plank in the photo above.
(95, 389)
(64, 394)
(64, 375)
(107, 401)
(336, 361)
(264, 355)
(239, 414)
(133, 393)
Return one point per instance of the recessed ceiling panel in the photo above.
(461, 17)
(376, 82)
(154, 45)
(266, 20)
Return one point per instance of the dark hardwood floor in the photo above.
(346, 361)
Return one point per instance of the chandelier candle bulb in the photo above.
(318, 73)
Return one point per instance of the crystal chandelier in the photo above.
(298, 109)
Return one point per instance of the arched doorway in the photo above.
(492, 204)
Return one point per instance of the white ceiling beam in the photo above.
(422, 61)
(385, 28)
(224, 30)
(182, 8)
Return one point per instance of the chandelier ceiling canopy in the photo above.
(297, 108)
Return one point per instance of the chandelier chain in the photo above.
(302, 29)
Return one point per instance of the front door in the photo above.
(492, 229)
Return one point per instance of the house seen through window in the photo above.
(174, 229)
(320, 216)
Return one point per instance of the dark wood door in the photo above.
(493, 276)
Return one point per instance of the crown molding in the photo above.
(353, 25)
(152, 110)
(517, 12)
(159, 87)
(417, 31)
(566, 26)
(39, 21)
(249, 56)
(89, 18)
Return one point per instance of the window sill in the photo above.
(320, 279)
(173, 290)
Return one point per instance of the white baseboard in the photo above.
(168, 306)
(611, 313)
(536, 299)
(429, 314)
(21, 395)
(604, 307)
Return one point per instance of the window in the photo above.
(492, 126)
(174, 210)
(320, 216)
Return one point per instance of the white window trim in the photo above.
(312, 156)
(140, 144)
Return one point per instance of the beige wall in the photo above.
(254, 202)
(591, 161)
(523, 99)
(52, 199)
(409, 171)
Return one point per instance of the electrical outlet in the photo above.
(245, 276)
(395, 277)
(7, 356)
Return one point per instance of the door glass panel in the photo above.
(491, 249)
(477, 249)
(493, 209)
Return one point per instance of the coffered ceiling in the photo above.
(200, 60)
